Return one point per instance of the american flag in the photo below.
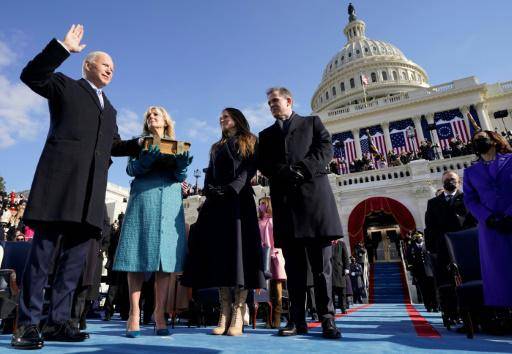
(399, 139)
(344, 146)
(342, 165)
(377, 137)
(448, 125)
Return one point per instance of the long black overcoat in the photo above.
(309, 210)
(340, 261)
(225, 242)
(70, 181)
(442, 217)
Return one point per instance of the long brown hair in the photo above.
(502, 145)
(245, 140)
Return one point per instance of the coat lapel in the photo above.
(85, 85)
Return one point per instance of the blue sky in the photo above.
(197, 57)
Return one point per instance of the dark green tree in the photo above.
(2, 184)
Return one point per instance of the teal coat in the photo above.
(153, 231)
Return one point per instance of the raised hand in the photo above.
(73, 38)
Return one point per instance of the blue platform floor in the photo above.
(378, 328)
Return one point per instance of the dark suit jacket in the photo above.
(442, 217)
(307, 211)
(70, 181)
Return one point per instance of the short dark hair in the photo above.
(283, 91)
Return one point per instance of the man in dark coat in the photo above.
(340, 269)
(356, 278)
(445, 213)
(294, 153)
(68, 191)
(423, 272)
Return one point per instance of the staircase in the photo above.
(387, 282)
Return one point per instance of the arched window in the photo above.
(326, 95)
(395, 76)
(352, 83)
(403, 75)
(342, 86)
(349, 54)
(384, 76)
(334, 91)
(374, 77)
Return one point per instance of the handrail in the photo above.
(403, 262)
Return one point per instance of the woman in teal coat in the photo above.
(153, 232)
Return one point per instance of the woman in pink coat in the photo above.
(276, 260)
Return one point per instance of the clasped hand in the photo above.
(183, 160)
(148, 157)
(501, 223)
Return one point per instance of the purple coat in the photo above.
(488, 190)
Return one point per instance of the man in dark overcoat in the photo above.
(294, 153)
(68, 191)
(445, 213)
(340, 270)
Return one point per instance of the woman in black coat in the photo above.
(225, 243)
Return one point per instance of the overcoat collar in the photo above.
(87, 87)
(293, 125)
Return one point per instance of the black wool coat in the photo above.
(442, 217)
(225, 243)
(70, 181)
(340, 261)
(307, 211)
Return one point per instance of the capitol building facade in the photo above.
(371, 90)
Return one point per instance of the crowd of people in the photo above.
(427, 151)
(483, 202)
(12, 227)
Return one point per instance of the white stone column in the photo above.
(433, 134)
(387, 136)
(357, 143)
(419, 130)
(483, 116)
(465, 111)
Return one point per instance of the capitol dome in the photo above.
(387, 70)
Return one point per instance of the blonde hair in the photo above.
(169, 123)
(268, 203)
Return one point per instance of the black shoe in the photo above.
(64, 332)
(27, 337)
(329, 329)
(292, 330)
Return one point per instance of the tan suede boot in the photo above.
(277, 304)
(237, 322)
(225, 312)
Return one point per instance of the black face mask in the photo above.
(482, 145)
(450, 185)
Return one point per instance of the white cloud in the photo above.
(129, 123)
(259, 117)
(22, 112)
(7, 56)
(200, 130)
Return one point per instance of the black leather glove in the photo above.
(494, 221)
(292, 174)
(504, 225)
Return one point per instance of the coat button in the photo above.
(97, 153)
